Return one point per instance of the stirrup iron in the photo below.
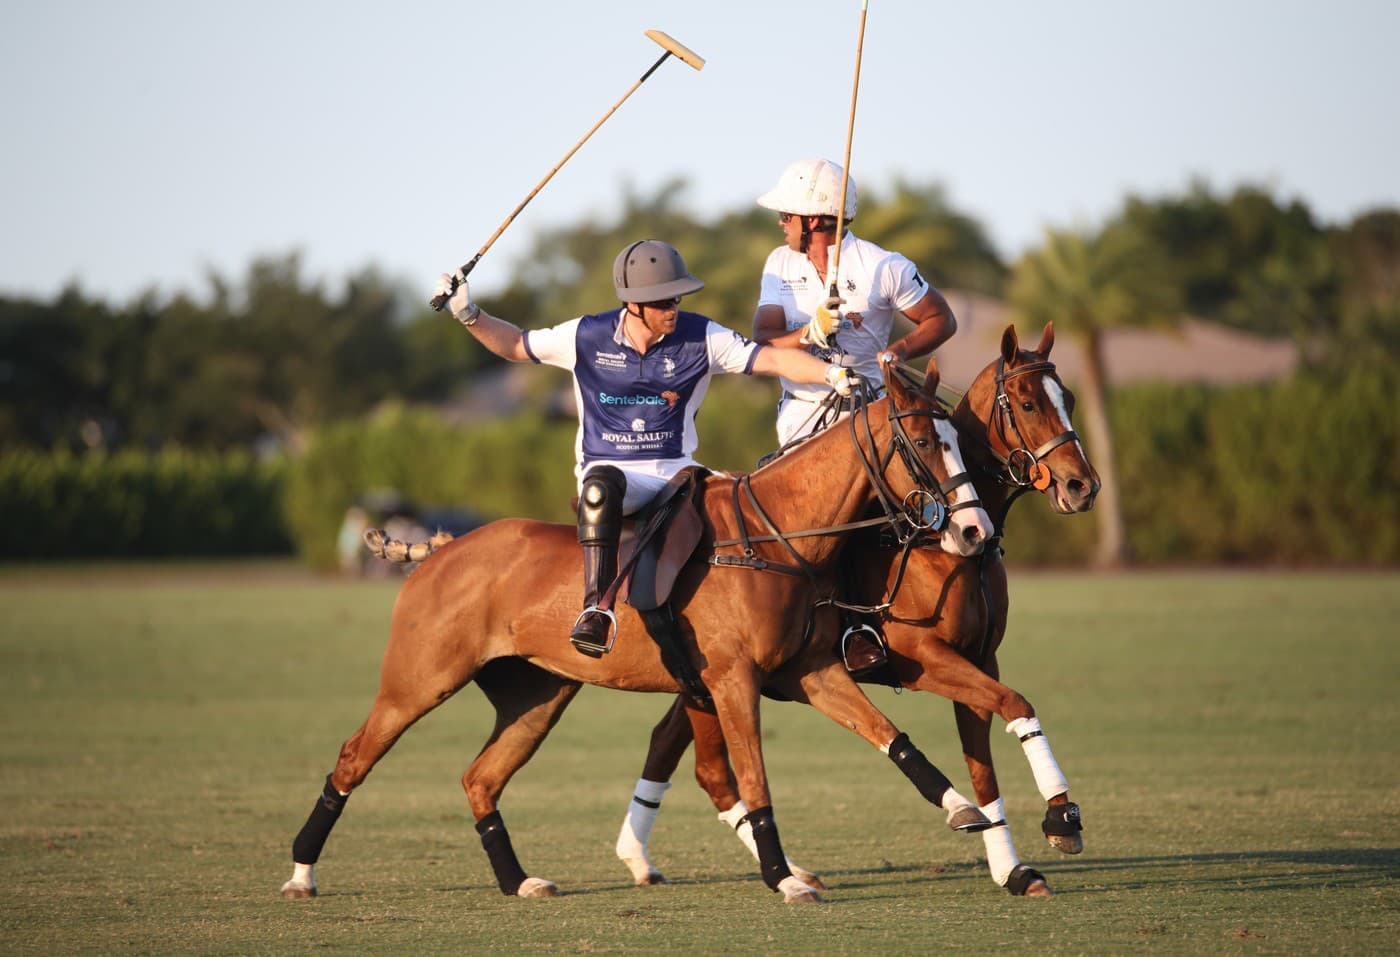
(591, 648)
(875, 638)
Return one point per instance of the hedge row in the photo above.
(1306, 471)
(133, 504)
(1298, 472)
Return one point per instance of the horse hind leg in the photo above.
(670, 739)
(389, 718)
(528, 703)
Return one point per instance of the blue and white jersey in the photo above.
(633, 407)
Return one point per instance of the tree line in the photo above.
(273, 358)
(275, 353)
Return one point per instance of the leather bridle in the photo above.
(925, 509)
(1023, 466)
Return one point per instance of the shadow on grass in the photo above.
(1252, 870)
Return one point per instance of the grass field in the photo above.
(1233, 738)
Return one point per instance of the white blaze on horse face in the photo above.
(968, 528)
(1057, 399)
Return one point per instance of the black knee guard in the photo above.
(771, 860)
(600, 506)
(930, 781)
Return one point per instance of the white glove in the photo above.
(824, 322)
(459, 294)
(841, 379)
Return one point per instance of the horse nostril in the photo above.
(971, 534)
(1075, 487)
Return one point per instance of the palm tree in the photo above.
(1089, 283)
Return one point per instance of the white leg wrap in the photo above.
(953, 801)
(734, 818)
(1048, 776)
(1001, 853)
(636, 826)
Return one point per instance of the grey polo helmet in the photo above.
(650, 270)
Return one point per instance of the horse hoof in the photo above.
(807, 877)
(643, 874)
(1026, 881)
(294, 891)
(796, 892)
(537, 887)
(1066, 843)
(968, 819)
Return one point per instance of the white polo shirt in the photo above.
(874, 282)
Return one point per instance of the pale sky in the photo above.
(146, 142)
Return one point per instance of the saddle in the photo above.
(663, 537)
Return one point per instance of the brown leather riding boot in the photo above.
(863, 651)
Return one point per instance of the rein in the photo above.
(928, 500)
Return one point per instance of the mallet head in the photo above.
(678, 50)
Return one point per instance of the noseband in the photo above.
(926, 508)
(1023, 466)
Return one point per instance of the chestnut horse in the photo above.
(495, 607)
(944, 620)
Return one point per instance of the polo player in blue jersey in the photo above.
(640, 374)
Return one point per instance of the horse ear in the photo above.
(1009, 345)
(931, 379)
(1047, 339)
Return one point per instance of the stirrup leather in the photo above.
(592, 648)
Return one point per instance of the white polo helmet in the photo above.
(649, 270)
(810, 188)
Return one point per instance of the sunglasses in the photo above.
(786, 218)
(671, 303)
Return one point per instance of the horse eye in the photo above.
(921, 443)
(1027, 406)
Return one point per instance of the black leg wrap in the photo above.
(771, 860)
(1061, 820)
(1022, 877)
(306, 849)
(930, 781)
(509, 874)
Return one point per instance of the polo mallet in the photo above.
(833, 292)
(680, 50)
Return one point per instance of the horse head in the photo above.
(1019, 403)
(938, 483)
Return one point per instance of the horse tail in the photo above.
(391, 549)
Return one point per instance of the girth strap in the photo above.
(666, 632)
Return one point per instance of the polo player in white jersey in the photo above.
(873, 285)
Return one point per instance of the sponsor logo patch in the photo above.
(610, 360)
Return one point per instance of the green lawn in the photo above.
(1233, 739)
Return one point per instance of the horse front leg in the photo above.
(974, 730)
(736, 699)
(945, 672)
(831, 691)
